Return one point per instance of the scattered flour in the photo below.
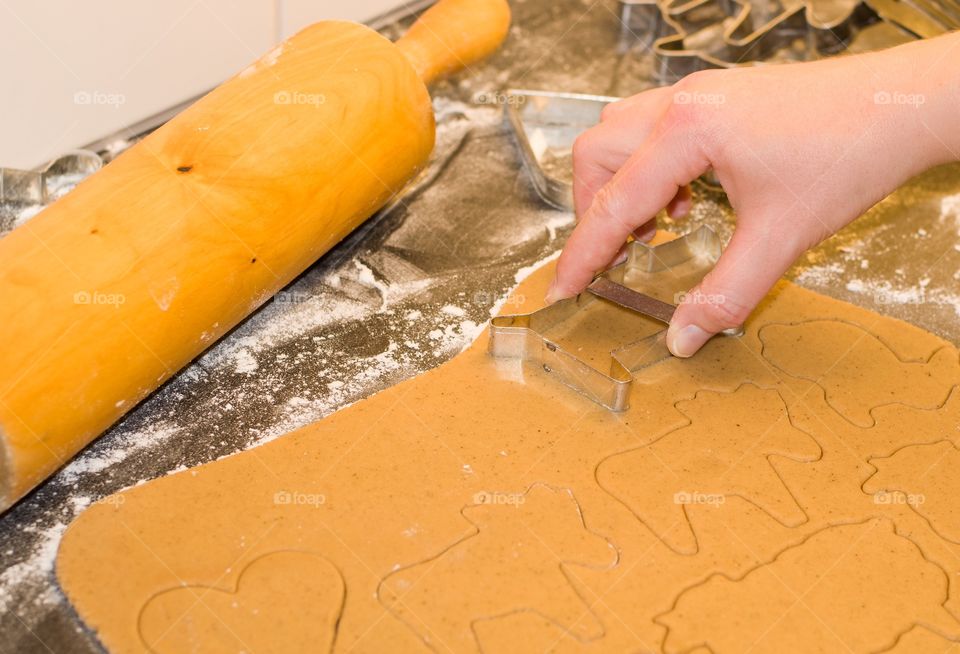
(558, 220)
(97, 460)
(521, 275)
(79, 503)
(367, 278)
(280, 322)
(452, 334)
(820, 275)
(452, 310)
(389, 293)
(246, 363)
(37, 565)
(300, 411)
(28, 213)
(273, 56)
(950, 209)
(164, 293)
(883, 292)
(266, 61)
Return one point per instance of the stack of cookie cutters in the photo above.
(691, 35)
(650, 277)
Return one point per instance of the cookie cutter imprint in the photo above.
(662, 271)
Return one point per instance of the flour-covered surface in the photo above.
(413, 286)
(901, 259)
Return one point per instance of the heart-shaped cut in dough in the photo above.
(284, 601)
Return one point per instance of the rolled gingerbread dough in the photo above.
(483, 506)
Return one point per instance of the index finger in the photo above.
(644, 185)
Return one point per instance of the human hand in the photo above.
(800, 149)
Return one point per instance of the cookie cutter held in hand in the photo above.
(659, 273)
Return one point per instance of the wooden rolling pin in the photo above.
(117, 286)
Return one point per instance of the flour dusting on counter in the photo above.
(101, 456)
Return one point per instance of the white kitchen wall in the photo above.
(76, 72)
(296, 14)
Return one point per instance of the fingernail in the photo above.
(685, 342)
(681, 209)
(552, 293)
(646, 235)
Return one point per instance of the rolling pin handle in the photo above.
(453, 34)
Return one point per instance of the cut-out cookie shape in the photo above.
(284, 601)
(725, 451)
(850, 588)
(856, 370)
(898, 426)
(922, 640)
(927, 479)
(521, 543)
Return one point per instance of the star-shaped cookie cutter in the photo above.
(661, 273)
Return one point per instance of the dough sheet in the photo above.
(794, 489)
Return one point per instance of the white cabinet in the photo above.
(77, 71)
(297, 14)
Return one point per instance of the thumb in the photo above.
(745, 272)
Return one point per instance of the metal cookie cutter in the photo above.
(50, 182)
(648, 282)
(924, 18)
(640, 20)
(545, 125)
(692, 35)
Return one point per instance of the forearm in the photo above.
(920, 86)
